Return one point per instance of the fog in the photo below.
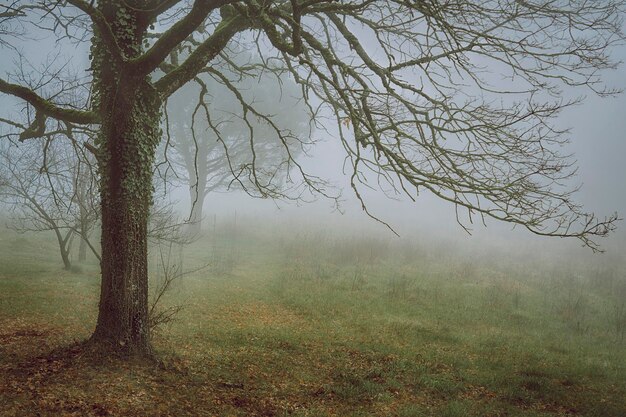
(262, 273)
(597, 142)
(596, 139)
(597, 127)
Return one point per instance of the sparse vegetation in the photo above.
(316, 324)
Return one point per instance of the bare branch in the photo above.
(48, 108)
(155, 56)
(201, 55)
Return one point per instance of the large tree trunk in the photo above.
(129, 140)
(127, 143)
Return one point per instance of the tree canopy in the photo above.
(409, 84)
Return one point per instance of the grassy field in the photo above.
(314, 324)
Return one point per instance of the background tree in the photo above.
(51, 194)
(412, 105)
(205, 162)
(58, 193)
(86, 197)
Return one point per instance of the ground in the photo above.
(314, 324)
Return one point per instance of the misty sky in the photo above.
(598, 140)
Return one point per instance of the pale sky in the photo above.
(598, 139)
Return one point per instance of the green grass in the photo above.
(314, 324)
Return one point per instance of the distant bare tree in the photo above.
(206, 162)
(59, 194)
(54, 194)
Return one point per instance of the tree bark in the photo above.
(130, 132)
(129, 140)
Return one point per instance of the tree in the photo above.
(404, 81)
(205, 162)
(86, 197)
(50, 194)
(49, 187)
